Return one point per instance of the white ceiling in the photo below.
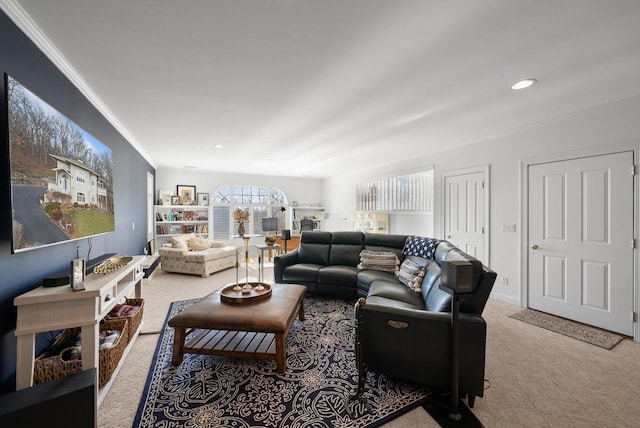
(286, 85)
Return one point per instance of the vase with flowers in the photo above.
(241, 216)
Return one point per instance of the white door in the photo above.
(464, 212)
(580, 240)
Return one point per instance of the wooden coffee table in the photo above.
(248, 330)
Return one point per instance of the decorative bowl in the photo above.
(111, 264)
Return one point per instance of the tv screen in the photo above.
(61, 176)
(269, 224)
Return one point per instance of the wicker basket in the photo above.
(110, 357)
(49, 367)
(134, 320)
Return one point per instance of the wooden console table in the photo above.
(56, 308)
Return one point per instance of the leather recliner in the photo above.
(406, 342)
(401, 333)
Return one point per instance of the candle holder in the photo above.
(245, 291)
(246, 288)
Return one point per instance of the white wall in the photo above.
(612, 124)
(305, 191)
(607, 125)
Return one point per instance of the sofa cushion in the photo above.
(411, 274)
(301, 272)
(437, 300)
(345, 248)
(382, 242)
(208, 254)
(391, 302)
(338, 275)
(395, 290)
(314, 248)
(366, 278)
(432, 274)
(385, 261)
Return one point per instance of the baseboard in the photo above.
(505, 298)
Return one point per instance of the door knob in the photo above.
(534, 246)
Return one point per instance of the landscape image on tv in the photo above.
(61, 176)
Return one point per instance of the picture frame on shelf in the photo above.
(151, 247)
(187, 194)
(187, 216)
(175, 200)
(165, 196)
(78, 267)
(203, 199)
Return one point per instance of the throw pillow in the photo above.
(197, 244)
(411, 275)
(385, 261)
(216, 244)
(180, 244)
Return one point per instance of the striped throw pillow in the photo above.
(411, 275)
(385, 261)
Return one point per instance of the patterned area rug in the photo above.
(211, 391)
(586, 333)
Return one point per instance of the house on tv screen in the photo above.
(78, 183)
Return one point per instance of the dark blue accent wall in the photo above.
(21, 272)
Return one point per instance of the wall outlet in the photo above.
(505, 280)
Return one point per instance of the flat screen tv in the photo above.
(269, 224)
(61, 176)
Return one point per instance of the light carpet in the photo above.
(586, 333)
(535, 377)
(321, 373)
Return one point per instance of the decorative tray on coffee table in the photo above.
(255, 292)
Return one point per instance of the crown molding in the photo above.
(20, 17)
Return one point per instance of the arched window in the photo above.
(80, 198)
(258, 201)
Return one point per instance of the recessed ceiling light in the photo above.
(189, 166)
(330, 160)
(218, 146)
(523, 84)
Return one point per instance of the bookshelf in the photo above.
(312, 213)
(176, 220)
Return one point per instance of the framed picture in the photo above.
(187, 194)
(165, 196)
(188, 216)
(203, 199)
(175, 200)
(151, 247)
(77, 274)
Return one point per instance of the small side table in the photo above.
(261, 249)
